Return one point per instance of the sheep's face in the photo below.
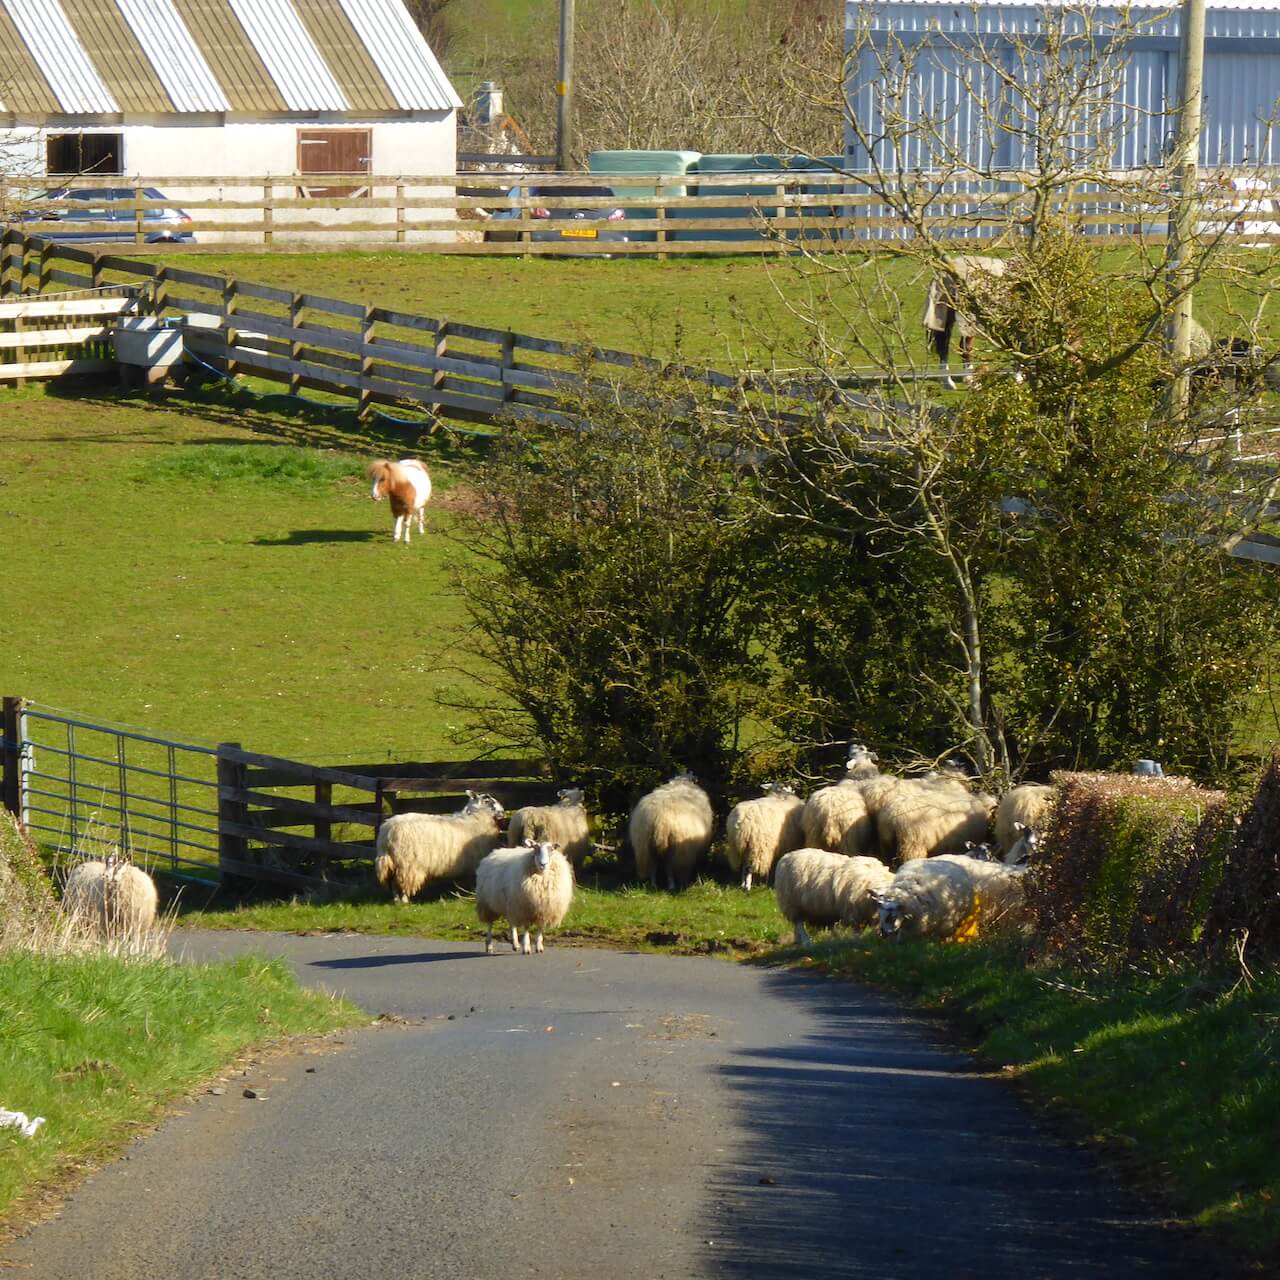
(484, 803)
(571, 796)
(892, 918)
(542, 856)
(779, 789)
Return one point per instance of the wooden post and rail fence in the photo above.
(497, 212)
(216, 813)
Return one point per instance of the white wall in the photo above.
(159, 153)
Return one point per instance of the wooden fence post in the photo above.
(10, 247)
(661, 215)
(442, 350)
(506, 359)
(295, 347)
(401, 234)
(364, 401)
(232, 810)
(14, 788)
(324, 796)
(268, 211)
(139, 236)
(230, 301)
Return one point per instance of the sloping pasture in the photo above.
(215, 570)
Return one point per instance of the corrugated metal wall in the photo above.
(948, 89)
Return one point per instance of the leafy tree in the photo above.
(611, 577)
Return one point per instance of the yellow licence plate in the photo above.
(578, 233)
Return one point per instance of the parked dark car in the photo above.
(105, 204)
(568, 217)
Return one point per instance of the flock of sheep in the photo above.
(960, 856)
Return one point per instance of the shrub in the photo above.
(27, 906)
(1114, 845)
(1247, 902)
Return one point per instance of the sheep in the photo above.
(931, 816)
(939, 897)
(413, 848)
(836, 817)
(1026, 804)
(928, 898)
(111, 899)
(758, 832)
(565, 822)
(818, 887)
(670, 828)
(530, 887)
(1024, 848)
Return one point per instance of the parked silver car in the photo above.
(106, 204)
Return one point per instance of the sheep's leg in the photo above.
(525, 947)
(488, 940)
(802, 935)
(537, 942)
(515, 938)
(746, 881)
(671, 879)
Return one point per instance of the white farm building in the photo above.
(163, 90)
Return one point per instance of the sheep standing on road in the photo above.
(670, 829)
(816, 887)
(111, 899)
(414, 848)
(758, 832)
(565, 823)
(530, 887)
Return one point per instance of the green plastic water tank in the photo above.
(675, 163)
(712, 176)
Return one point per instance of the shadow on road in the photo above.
(871, 1151)
(381, 961)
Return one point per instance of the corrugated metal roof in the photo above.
(292, 59)
(110, 57)
(402, 55)
(174, 55)
(62, 59)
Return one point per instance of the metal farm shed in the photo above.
(162, 89)
(1241, 81)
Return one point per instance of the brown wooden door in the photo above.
(334, 151)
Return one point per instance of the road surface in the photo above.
(591, 1115)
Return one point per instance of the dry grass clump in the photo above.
(101, 913)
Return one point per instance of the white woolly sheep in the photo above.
(1024, 848)
(414, 848)
(928, 898)
(1027, 804)
(935, 897)
(931, 816)
(758, 832)
(671, 828)
(111, 899)
(530, 887)
(564, 823)
(838, 817)
(1001, 891)
(817, 887)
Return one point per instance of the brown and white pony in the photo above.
(408, 486)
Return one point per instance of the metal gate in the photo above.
(82, 787)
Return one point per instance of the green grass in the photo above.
(98, 1046)
(708, 917)
(1181, 1071)
(214, 570)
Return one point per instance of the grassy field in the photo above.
(72, 1049)
(216, 571)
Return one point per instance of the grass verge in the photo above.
(98, 1045)
(1178, 1072)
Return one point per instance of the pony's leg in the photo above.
(395, 536)
(966, 351)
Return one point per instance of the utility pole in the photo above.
(564, 88)
(1182, 228)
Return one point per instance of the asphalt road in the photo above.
(589, 1114)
